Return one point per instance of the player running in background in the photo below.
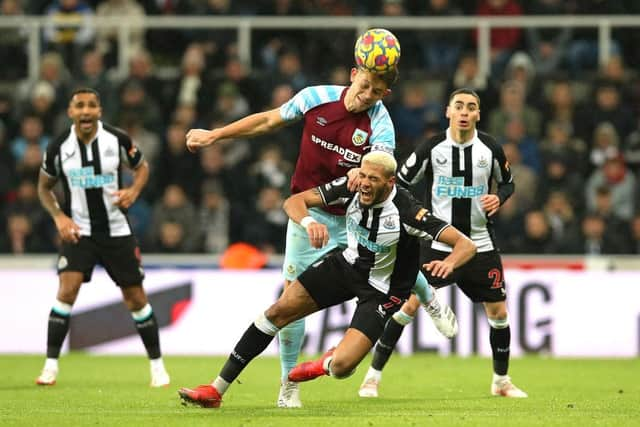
(379, 267)
(93, 225)
(459, 166)
(341, 124)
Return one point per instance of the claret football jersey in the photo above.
(334, 139)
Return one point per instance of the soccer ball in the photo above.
(377, 50)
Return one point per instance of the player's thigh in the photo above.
(299, 254)
(120, 257)
(80, 257)
(482, 278)
(373, 311)
(328, 281)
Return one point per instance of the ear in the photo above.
(447, 113)
(478, 116)
(386, 92)
(354, 72)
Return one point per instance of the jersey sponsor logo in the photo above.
(359, 137)
(361, 234)
(453, 186)
(321, 121)
(347, 154)
(421, 213)
(85, 178)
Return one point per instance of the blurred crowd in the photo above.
(570, 127)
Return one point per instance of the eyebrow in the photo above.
(468, 103)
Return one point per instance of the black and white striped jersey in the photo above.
(383, 240)
(90, 174)
(457, 175)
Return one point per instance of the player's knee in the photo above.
(341, 369)
(280, 315)
(499, 323)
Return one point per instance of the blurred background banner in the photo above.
(564, 311)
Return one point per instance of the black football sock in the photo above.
(148, 331)
(56, 332)
(252, 343)
(386, 343)
(500, 341)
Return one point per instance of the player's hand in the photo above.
(125, 197)
(490, 203)
(198, 138)
(439, 268)
(318, 234)
(353, 177)
(69, 230)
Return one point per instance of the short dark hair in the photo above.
(466, 91)
(85, 90)
(389, 77)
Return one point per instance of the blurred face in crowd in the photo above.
(85, 111)
(536, 225)
(366, 89)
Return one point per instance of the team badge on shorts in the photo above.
(359, 137)
(62, 262)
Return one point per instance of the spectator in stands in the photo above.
(31, 133)
(174, 225)
(514, 133)
(582, 52)
(134, 99)
(54, 72)
(596, 240)
(229, 104)
(411, 115)
(192, 87)
(504, 41)
(631, 148)
(558, 175)
(270, 170)
(107, 42)
(562, 219)
(608, 107)
(42, 103)
(525, 177)
(69, 40)
(520, 68)
(512, 105)
(13, 42)
(214, 214)
(467, 74)
(616, 179)
(28, 228)
(560, 105)
(440, 48)
(605, 145)
(268, 225)
(93, 74)
(289, 70)
(547, 46)
(559, 142)
(236, 72)
(538, 236)
(7, 168)
(141, 70)
(176, 165)
(508, 224)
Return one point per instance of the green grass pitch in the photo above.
(421, 390)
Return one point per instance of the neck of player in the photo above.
(462, 135)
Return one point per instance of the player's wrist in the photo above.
(306, 221)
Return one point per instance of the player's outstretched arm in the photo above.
(247, 127)
(297, 207)
(463, 250)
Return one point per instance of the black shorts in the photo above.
(481, 279)
(333, 281)
(120, 256)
